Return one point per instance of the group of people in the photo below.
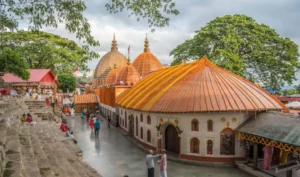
(162, 163)
(28, 118)
(92, 120)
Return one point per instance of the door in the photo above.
(171, 139)
(131, 124)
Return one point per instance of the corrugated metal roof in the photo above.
(85, 98)
(36, 75)
(200, 86)
(276, 126)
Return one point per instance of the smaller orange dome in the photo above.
(112, 76)
(128, 75)
(146, 62)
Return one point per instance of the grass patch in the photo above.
(44, 170)
(11, 152)
(8, 173)
(9, 164)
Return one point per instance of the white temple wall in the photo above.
(220, 121)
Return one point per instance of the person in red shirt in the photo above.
(29, 118)
(92, 124)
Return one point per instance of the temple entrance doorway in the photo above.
(172, 141)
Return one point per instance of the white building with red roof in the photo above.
(43, 79)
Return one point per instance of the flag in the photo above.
(76, 69)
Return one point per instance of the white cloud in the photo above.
(281, 15)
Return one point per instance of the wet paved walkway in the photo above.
(114, 156)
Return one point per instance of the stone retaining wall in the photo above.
(40, 150)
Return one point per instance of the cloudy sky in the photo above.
(282, 15)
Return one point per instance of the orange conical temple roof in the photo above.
(199, 86)
(146, 62)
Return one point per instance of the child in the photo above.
(92, 124)
(23, 119)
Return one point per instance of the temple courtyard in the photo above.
(112, 155)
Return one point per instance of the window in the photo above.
(141, 132)
(121, 112)
(141, 117)
(148, 136)
(195, 125)
(210, 126)
(227, 142)
(194, 145)
(125, 120)
(149, 120)
(136, 126)
(210, 147)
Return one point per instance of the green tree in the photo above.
(66, 82)
(156, 12)
(46, 50)
(290, 92)
(11, 62)
(297, 87)
(241, 45)
(51, 13)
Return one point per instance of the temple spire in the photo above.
(182, 61)
(146, 49)
(128, 61)
(114, 43)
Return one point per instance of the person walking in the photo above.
(92, 124)
(163, 164)
(72, 113)
(150, 163)
(108, 120)
(83, 116)
(97, 127)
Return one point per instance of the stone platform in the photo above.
(40, 150)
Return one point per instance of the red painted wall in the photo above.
(48, 78)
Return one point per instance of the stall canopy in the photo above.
(293, 104)
(275, 129)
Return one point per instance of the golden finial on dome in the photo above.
(146, 49)
(182, 61)
(114, 43)
(128, 61)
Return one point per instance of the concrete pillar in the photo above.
(290, 172)
(255, 156)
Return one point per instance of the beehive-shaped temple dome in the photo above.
(200, 86)
(107, 62)
(146, 62)
(112, 76)
(128, 75)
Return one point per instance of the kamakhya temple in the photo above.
(197, 111)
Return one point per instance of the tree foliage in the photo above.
(50, 13)
(12, 63)
(66, 82)
(156, 12)
(290, 92)
(241, 45)
(46, 50)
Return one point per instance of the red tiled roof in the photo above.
(86, 98)
(288, 99)
(36, 75)
(200, 86)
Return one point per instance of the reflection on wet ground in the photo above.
(114, 156)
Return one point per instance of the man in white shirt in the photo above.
(150, 163)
